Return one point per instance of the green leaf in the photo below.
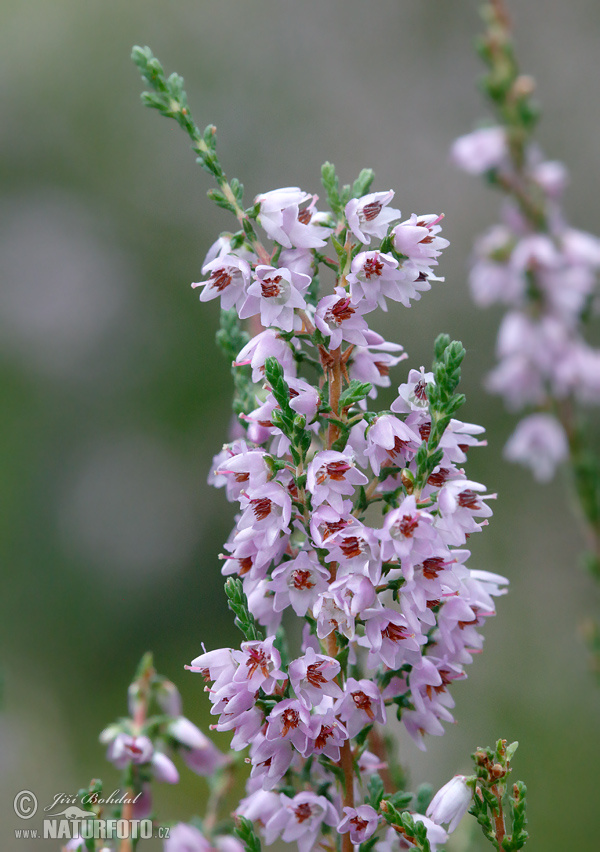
(244, 830)
(238, 604)
(363, 182)
(354, 393)
(330, 183)
(375, 789)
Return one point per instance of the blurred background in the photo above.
(115, 397)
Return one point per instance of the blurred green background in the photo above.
(115, 397)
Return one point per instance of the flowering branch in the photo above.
(545, 272)
(497, 811)
(389, 609)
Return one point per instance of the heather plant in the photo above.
(347, 569)
(545, 272)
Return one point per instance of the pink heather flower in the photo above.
(198, 752)
(389, 442)
(245, 469)
(356, 548)
(227, 843)
(361, 822)
(331, 475)
(394, 841)
(361, 705)
(259, 806)
(409, 534)
(275, 293)
(339, 318)
(222, 248)
(459, 502)
(126, 749)
(267, 510)
(375, 277)
(300, 819)
(298, 582)
(370, 216)
(327, 735)
(481, 150)
(451, 802)
(259, 665)
(390, 640)
(186, 838)
(271, 759)
(539, 442)
(418, 239)
(332, 613)
(552, 176)
(290, 720)
(373, 362)
(265, 344)
(297, 260)
(203, 761)
(282, 219)
(163, 768)
(214, 665)
(229, 278)
(492, 278)
(412, 394)
(313, 676)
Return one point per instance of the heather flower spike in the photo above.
(544, 271)
(350, 520)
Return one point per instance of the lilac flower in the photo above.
(539, 441)
(300, 819)
(332, 475)
(198, 752)
(313, 676)
(372, 362)
(125, 749)
(259, 665)
(298, 582)
(338, 318)
(481, 150)
(375, 277)
(271, 759)
(327, 735)
(361, 705)
(274, 294)
(290, 719)
(389, 442)
(361, 822)
(229, 278)
(186, 838)
(264, 345)
(451, 802)
(370, 216)
(281, 218)
(412, 394)
(267, 510)
(418, 240)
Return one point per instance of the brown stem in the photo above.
(139, 717)
(346, 763)
(501, 13)
(499, 816)
(335, 390)
(377, 746)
